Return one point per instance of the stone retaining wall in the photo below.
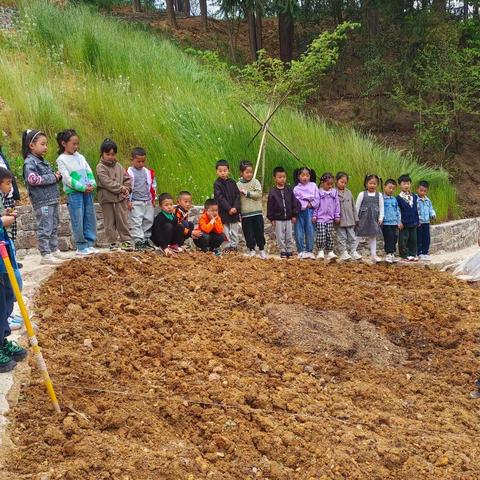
(450, 236)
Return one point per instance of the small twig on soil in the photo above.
(80, 414)
(137, 259)
(61, 288)
(111, 270)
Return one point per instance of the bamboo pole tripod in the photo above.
(37, 353)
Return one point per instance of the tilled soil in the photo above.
(235, 368)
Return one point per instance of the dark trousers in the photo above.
(6, 305)
(253, 231)
(390, 238)
(423, 239)
(168, 234)
(407, 243)
(209, 242)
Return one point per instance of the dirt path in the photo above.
(227, 368)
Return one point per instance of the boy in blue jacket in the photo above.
(408, 204)
(426, 214)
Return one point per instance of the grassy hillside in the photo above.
(74, 68)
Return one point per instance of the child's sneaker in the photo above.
(301, 255)
(426, 257)
(345, 257)
(61, 255)
(331, 256)
(49, 259)
(284, 255)
(140, 246)
(93, 250)
(83, 253)
(15, 322)
(175, 248)
(289, 254)
(114, 247)
(356, 256)
(389, 258)
(127, 247)
(262, 254)
(251, 253)
(320, 255)
(395, 259)
(376, 259)
(14, 350)
(149, 245)
(217, 252)
(7, 363)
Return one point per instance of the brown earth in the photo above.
(227, 368)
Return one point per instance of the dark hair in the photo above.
(138, 152)
(340, 175)
(163, 197)
(210, 202)
(404, 178)
(424, 183)
(372, 176)
(65, 136)
(184, 193)
(28, 137)
(244, 164)
(222, 163)
(298, 171)
(390, 181)
(278, 170)
(326, 176)
(107, 146)
(5, 174)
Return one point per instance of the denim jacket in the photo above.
(425, 210)
(392, 211)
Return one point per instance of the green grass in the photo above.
(76, 69)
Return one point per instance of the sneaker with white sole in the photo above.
(320, 255)
(345, 257)
(356, 256)
(301, 255)
(262, 254)
(389, 258)
(60, 255)
(395, 259)
(251, 253)
(331, 256)
(93, 250)
(83, 253)
(427, 258)
(13, 324)
(49, 259)
(376, 259)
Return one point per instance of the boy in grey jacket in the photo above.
(41, 182)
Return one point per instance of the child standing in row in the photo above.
(282, 211)
(391, 220)
(251, 210)
(426, 214)
(211, 229)
(347, 240)
(142, 200)
(41, 182)
(325, 216)
(370, 213)
(227, 196)
(408, 204)
(306, 192)
(79, 185)
(114, 187)
(11, 197)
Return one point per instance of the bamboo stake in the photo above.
(262, 144)
(42, 366)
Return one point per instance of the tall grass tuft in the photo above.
(75, 68)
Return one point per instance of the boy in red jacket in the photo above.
(211, 228)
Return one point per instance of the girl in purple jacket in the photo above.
(306, 192)
(325, 215)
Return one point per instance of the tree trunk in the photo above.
(336, 9)
(137, 6)
(187, 8)
(172, 19)
(203, 14)
(252, 35)
(178, 4)
(439, 6)
(370, 14)
(286, 35)
(259, 28)
(465, 10)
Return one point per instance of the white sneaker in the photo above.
(251, 253)
(410, 258)
(376, 259)
(60, 255)
(320, 255)
(389, 258)
(262, 254)
(93, 250)
(83, 253)
(310, 255)
(355, 256)
(49, 259)
(427, 258)
(345, 257)
(395, 259)
(301, 255)
(331, 256)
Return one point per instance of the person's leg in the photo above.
(388, 238)
(248, 232)
(202, 242)
(135, 221)
(177, 235)
(89, 219)
(215, 240)
(412, 242)
(402, 242)
(259, 231)
(288, 235)
(280, 235)
(76, 210)
(310, 231)
(121, 221)
(352, 240)
(148, 218)
(6, 306)
(329, 237)
(54, 213)
(165, 235)
(321, 236)
(372, 242)
(342, 237)
(109, 222)
(426, 239)
(300, 231)
(234, 236)
(43, 230)
(420, 241)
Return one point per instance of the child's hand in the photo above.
(8, 220)
(243, 192)
(89, 188)
(380, 222)
(125, 190)
(273, 223)
(314, 220)
(11, 212)
(400, 226)
(294, 220)
(58, 176)
(337, 221)
(129, 205)
(197, 233)
(232, 211)
(309, 205)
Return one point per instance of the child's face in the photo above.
(422, 191)
(304, 177)
(247, 174)
(388, 189)
(327, 184)
(185, 201)
(405, 186)
(6, 185)
(223, 172)
(372, 185)
(110, 156)
(342, 183)
(212, 211)
(167, 205)
(139, 161)
(71, 146)
(280, 179)
(40, 146)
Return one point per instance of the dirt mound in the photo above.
(170, 369)
(333, 334)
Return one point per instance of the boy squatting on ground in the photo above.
(10, 352)
(167, 233)
(211, 228)
(282, 211)
(227, 195)
(182, 208)
(142, 200)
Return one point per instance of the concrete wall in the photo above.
(448, 236)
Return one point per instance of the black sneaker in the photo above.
(7, 363)
(14, 350)
(283, 255)
(149, 245)
(19, 265)
(140, 246)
